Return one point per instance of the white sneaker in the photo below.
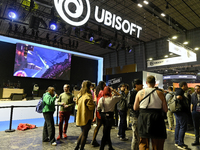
(54, 144)
(124, 139)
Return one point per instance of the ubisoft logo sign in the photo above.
(62, 7)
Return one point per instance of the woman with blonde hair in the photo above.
(84, 113)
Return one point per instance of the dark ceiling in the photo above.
(181, 15)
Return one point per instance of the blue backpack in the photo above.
(40, 106)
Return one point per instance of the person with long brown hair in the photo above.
(84, 113)
(107, 105)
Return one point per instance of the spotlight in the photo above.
(12, 14)
(166, 56)
(146, 2)
(52, 25)
(185, 43)
(162, 14)
(196, 48)
(130, 49)
(91, 37)
(150, 58)
(110, 43)
(174, 37)
(140, 5)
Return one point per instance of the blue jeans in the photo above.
(122, 124)
(196, 119)
(181, 127)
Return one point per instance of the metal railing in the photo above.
(11, 115)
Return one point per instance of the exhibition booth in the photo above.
(25, 64)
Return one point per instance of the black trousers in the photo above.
(107, 120)
(122, 124)
(49, 128)
(83, 136)
(196, 119)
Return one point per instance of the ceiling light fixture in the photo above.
(174, 37)
(140, 5)
(12, 14)
(166, 56)
(185, 43)
(196, 48)
(162, 14)
(150, 58)
(146, 2)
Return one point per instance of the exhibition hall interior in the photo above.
(58, 43)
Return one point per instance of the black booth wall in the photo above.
(81, 69)
(125, 78)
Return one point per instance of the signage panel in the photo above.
(185, 56)
(106, 17)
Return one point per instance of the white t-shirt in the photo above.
(109, 103)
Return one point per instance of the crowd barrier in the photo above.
(11, 115)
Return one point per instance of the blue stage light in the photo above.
(53, 26)
(12, 14)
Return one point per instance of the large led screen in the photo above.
(37, 62)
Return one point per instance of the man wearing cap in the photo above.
(137, 84)
(66, 102)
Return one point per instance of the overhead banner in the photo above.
(179, 77)
(185, 56)
(75, 18)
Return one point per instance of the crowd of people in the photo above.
(143, 109)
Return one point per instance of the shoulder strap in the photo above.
(103, 103)
(148, 95)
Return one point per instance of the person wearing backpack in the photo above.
(137, 84)
(170, 116)
(181, 116)
(122, 108)
(195, 110)
(49, 107)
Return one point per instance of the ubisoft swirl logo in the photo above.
(62, 7)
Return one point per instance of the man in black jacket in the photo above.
(181, 117)
(137, 84)
(122, 108)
